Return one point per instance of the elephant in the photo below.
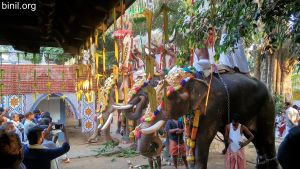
(246, 96)
(106, 113)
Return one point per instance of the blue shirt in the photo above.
(40, 158)
(173, 136)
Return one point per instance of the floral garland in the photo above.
(137, 87)
(105, 92)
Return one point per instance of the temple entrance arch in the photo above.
(61, 111)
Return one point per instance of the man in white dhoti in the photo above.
(234, 57)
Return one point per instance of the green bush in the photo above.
(279, 103)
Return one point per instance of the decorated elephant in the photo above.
(105, 110)
(229, 93)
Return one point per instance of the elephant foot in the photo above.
(118, 131)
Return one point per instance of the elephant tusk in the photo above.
(108, 121)
(153, 128)
(122, 107)
(100, 116)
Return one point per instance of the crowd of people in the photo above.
(30, 141)
(287, 119)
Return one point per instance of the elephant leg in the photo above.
(107, 135)
(205, 136)
(158, 160)
(119, 122)
(222, 130)
(93, 138)
(150, 161)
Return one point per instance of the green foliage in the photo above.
(239, 23)
(279, 103)
(128, 153)
(107, 149)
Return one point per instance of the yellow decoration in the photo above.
(86, 85)
(96, 39)
(152, 97)
(104, 60)
(104, 52)
(165, 9)
(91, 46)
(48, 96)
(192, 144)
(148, 14)
(190, 158)
(116, 51)
(63, 97)
(2, 73)
(98, 77)
(196, 118)
(79, 95)
(116, 94)
(87, 97)
(105, 92)
(34, 97)
(97, 62)
(48, 85)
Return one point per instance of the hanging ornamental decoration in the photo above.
(121, 33)
(105, 92)
(136, 12)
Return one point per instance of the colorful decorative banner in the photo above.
(87, 115)
(16, 103)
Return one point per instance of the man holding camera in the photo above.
(36, 156)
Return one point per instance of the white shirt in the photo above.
(159, 62)
(211, 53)
(291, 117)
(200, 64)
(237, 58)
(226, 57)
(236, 136)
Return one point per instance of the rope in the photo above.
(208, 92)
(219, 138)
(227, 94)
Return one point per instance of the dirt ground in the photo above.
(83, 157)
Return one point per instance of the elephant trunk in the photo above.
(137, 113)
(150, 145)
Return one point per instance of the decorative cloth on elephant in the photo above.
(235, 154)
(137, 87)
(105, 93)
(176, 143)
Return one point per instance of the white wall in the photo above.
(52, 106)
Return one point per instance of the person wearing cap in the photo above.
(235, 154)
(36, 156)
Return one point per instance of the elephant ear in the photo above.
(198, 92)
